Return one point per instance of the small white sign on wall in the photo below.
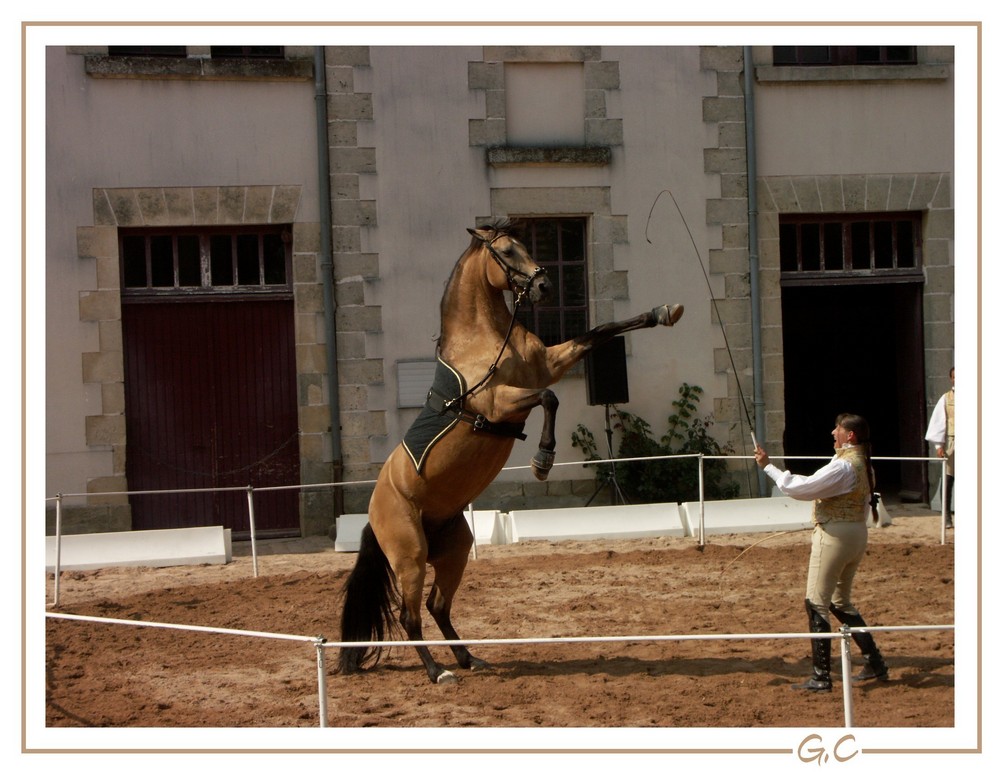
(413, 378)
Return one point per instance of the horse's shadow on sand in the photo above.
(912, 672)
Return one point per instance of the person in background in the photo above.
(941, 433)
(843, 493)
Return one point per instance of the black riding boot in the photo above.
(820, 680)
(875, 667)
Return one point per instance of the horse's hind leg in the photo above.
(402, 538)
(449, 554)
(411, 581)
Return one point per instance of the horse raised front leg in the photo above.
(564, 356)
(518, 402)
(543, 459)
(666, 315)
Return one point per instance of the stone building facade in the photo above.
(410, 167)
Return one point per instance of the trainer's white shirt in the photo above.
(937, 427)
(832, 479)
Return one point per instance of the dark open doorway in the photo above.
(857, 348)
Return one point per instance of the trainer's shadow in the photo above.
(918, 672)
(630, 666)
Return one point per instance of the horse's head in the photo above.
(512, 267)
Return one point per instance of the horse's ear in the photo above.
(481, 235)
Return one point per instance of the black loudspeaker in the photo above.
(607, 377)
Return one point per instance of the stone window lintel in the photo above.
(548, 156)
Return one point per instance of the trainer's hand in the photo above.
(760, 455)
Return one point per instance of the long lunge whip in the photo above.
(711, 295)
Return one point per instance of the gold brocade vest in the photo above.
(852, 505)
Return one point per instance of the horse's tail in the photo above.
(370, 598)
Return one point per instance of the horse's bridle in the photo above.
(519, 288)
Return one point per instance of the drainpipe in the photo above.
(326, 268)
(755, 323)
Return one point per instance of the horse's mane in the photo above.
(500, 226)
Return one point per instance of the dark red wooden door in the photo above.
(210, 401)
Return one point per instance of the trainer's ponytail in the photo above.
(873, 501)
(862, 434)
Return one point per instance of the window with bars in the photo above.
(818, 56)
(559, 245)
(248, 52)
(217, 52)
(147, 51)
(201, 63)
(832, 246)
(185, 262)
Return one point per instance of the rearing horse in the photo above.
(416, 514)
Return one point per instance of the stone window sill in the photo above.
(853, 73)
(197, 68)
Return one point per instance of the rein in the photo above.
(450, 404)
(520, 290)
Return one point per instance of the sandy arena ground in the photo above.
(100, 675)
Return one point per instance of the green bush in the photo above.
(664, 480)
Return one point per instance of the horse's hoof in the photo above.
(475, 664)
(446, 677)
(668, 315)
(541, 463)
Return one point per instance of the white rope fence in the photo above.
(320, 644)
(702, 458)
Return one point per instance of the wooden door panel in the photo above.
(211, 403)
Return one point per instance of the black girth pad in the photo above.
(437, 418)
(432, 425)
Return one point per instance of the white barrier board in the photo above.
(157, 547)
(488, 529)
(349, 528)
(602, 522)
(736, 516)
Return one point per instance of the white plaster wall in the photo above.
(665, 140)
(855, 128)
(545, 103)
(429, 188)
(124, 133)
(431, 185)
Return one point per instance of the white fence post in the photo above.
(56, 568)
(701, 499)
(845, 672)
(253, 533)
(944, 497)
(472, 525)
(321, 672)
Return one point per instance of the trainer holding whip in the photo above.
(843, 493)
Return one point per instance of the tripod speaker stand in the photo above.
(617, 496)
(607, 384)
